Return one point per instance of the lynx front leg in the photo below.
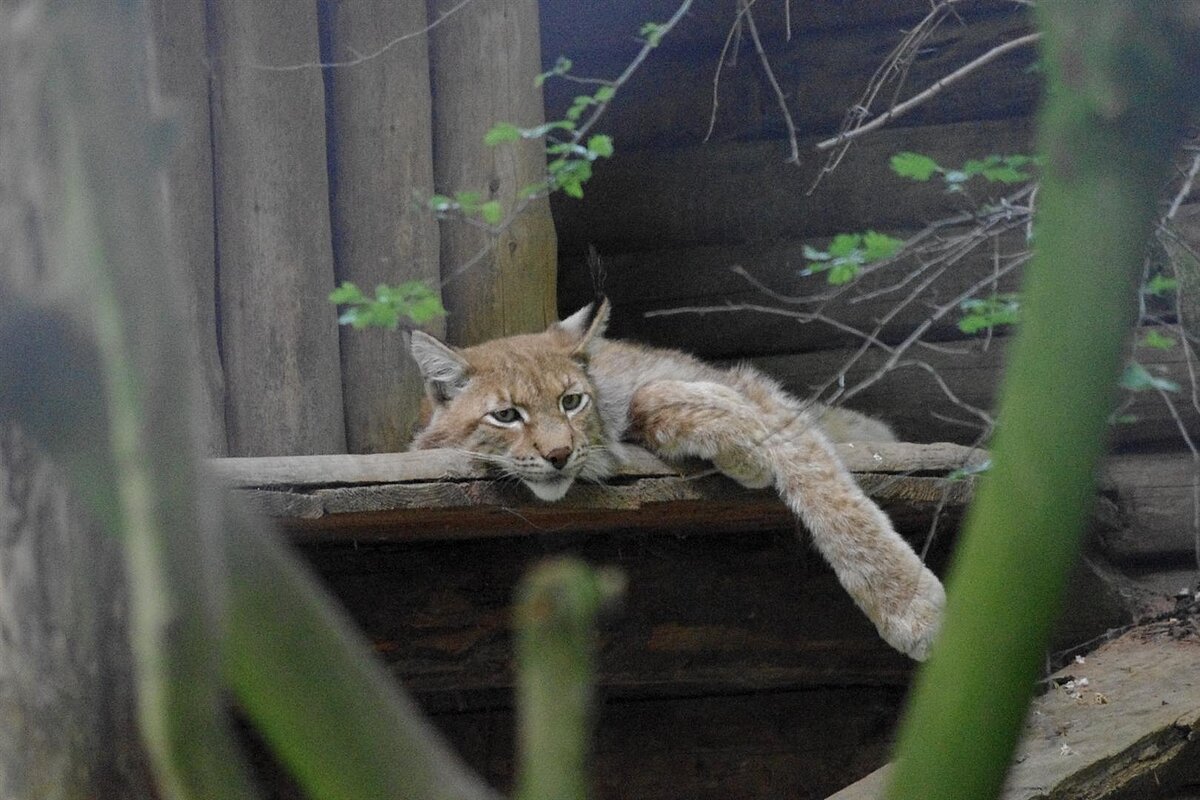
(706, 420)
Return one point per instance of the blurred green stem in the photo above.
(1122, 82)
(556, 610)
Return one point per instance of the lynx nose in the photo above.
(558, 456)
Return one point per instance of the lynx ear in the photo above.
(587, 325)
(444, 370)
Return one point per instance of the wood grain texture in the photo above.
(704, 277)
(278, 331)
(381, 163)
(484, 59)
(669, 101)
(745, 192)
(434, 495)
(1156, 495)
(181, 62)
(1130, 733)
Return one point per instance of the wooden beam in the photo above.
(443, 495)
(1130, 731)
(1156, 498)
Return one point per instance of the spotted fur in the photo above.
(677, 407)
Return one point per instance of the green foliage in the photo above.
(562, 66)
(1139, 379)
(847, 253)
(414, 300)
(986, 313)
(1160, 286)
(1157, 341)
(652, 32)
(993, 168)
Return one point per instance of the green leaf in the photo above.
(844, 244)
(984, 314)
(346, 293)
(842, 272)
(878, 246)
(1005, 174)
(492, 212)
(652, 32)
(914, 165)
(1138, 379)
(604, 94)
(600, 145)
(468, 201)
(1157, 341)
(439, 202)
(501, 132)
(974, 469)
(1160, 285)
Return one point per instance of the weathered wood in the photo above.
(278, 331)
(723, 613)
(181, 61)
(1156, 495)
(442, 495)
(66, 673)
(66, 678)
(669, 101)
(1183, 248)
(740, 192)
(763, 745)
(1130, 733)
(704, 277)
(451, 465)
(484, 58)
(380, 159)
(909, 398)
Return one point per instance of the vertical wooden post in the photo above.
(181, 64)
(275, 262)
(67, 725)
(484, 59)
(381, 167)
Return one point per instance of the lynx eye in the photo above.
(571, 402)
(506, 416)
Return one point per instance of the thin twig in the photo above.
(930, 92)
(794, 158)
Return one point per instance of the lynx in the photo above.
(555, 407)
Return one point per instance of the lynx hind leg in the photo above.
(676, 419)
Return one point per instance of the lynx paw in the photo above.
(911, 626)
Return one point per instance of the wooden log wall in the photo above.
(717, 222)
(307, 145)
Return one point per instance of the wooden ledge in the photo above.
(442, 494)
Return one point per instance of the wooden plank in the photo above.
(380, 159)
(704, 277)
(433, 495)
(1130, 732)
(822, 74)
(278, 331)
(742, 192)
(451, 465)
(483, 60)
(181, 64)
(1156, 497)
(910, 399)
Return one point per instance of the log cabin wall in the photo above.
(310, 137)
(679, 206)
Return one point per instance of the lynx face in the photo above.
(522, 405)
